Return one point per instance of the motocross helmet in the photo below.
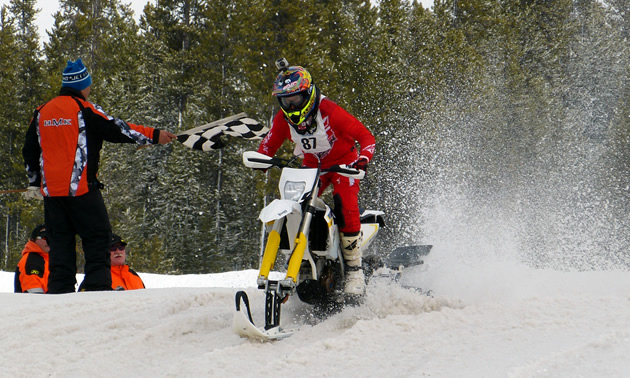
(298, 98)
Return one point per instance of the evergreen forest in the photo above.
(518, 108)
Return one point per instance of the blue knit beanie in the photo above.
(76, 76)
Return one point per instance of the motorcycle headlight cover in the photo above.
(293, 190)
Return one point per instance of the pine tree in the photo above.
(21, 81)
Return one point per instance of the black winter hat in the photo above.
(117, 239)
(39, 231)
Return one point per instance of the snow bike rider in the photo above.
(319, 126)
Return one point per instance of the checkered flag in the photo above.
(208, 137)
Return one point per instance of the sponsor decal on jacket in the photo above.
(58, 122)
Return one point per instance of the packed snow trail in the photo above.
(530, 323)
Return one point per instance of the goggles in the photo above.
(294, 102)
(297, 107)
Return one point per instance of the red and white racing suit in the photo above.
(333, 141)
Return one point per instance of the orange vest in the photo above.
(126, 278)
(63, 138)
(64, 147)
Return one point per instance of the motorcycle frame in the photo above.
(277, 215)
(307, 207)
(277, 292)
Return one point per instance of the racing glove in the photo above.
(361, 163)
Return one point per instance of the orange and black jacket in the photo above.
(31, 274)
(64, 140)
(125, 277)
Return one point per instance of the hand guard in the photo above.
(361, 163)
(32, 192)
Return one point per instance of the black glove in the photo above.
(361, 164)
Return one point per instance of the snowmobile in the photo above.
(302, 227)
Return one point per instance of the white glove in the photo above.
(32, 192)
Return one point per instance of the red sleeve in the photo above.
(149, 132)
(354, 129)
(361, 134)
(276, 136)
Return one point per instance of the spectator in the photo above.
(123, 277)
(31, 274)
(61, 155)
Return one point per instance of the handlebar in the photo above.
(256, 160)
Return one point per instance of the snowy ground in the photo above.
(495, 320)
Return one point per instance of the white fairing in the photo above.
(333, 237)
(369, 230)
(279, 208)
(285, 212)
(308, 176)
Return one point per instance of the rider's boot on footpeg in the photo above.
(355, 279)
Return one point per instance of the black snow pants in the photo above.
(87, 217)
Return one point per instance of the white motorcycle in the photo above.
(302, 227)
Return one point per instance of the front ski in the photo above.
(243, 325)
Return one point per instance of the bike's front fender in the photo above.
(278, 209)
